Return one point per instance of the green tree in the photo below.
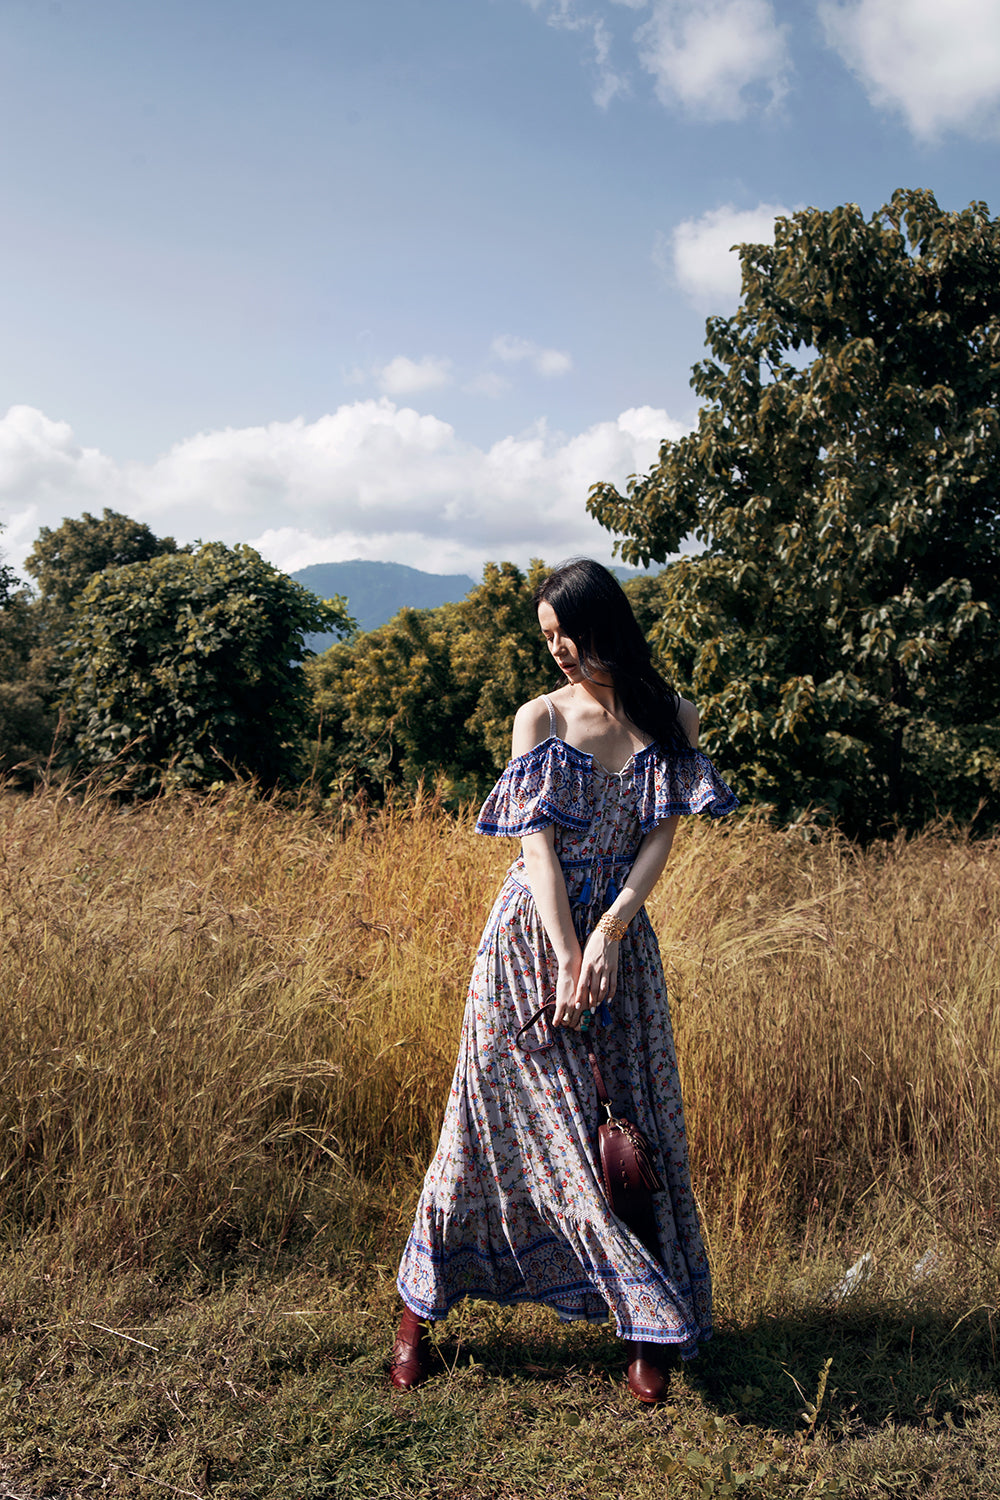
(63, 560)
(431, 694)
(27, 718)
(839, 627)
(188, 667)
(8, 583)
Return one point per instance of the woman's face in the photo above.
(563, 650)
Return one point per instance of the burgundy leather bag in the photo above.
(627, 1164)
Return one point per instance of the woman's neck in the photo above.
(603, 693)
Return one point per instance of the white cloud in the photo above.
(936, 61)
(713, 57)
(542, 361)
(405, 377)
(552, 362)
(567, 15)
(371, 479)
(44, 475)
(704, 263)
(489, 384)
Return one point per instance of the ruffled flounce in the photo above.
(553, 783)
(683, 781)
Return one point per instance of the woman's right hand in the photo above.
(568, 1011)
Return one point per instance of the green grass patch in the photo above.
(261, 1379)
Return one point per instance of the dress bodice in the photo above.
(600, 816)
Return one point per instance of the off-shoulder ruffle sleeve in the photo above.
(550, 784)
(680, 781)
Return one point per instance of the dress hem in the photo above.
(687, 1344)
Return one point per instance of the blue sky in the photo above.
(401, 278)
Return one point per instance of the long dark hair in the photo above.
(593, 610)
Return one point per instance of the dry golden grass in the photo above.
(227, 1029)
(837, 1020)
(214, 1014)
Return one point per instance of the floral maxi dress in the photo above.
(512, 1207)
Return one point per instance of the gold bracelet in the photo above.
(613, 927)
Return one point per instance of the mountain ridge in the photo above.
(375, 591)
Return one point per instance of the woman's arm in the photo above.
(587, 978)
(531, 727)
(548, 887)
(599, 967)
(584, 980)
(545, 876)
(687, 718)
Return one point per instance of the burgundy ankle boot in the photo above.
(409, 1362)
(647, 1381)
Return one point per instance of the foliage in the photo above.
(27, 718)
(186, 668)
(432, 693)
(62, 561)
(8, 583)
(840, 627)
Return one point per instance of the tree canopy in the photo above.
(840, 624)
(187, 667)
(64, 559)
(8, 582)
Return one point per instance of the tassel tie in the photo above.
(586, 895)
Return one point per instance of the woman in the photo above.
(512, 1207)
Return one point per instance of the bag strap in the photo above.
(595, 1067)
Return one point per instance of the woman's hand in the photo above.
(567, 1012)
(598, 979)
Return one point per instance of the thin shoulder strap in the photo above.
(552, 716)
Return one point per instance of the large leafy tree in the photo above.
(840, 625)
(27, 720)
(62, 561)
(187, 667)
(8, 582)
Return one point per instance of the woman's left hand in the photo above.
(598, 972)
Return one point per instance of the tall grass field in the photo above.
(227, 1029)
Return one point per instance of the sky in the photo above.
(402, 279)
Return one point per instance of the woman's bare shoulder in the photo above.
(687, 717)
(531, 726)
